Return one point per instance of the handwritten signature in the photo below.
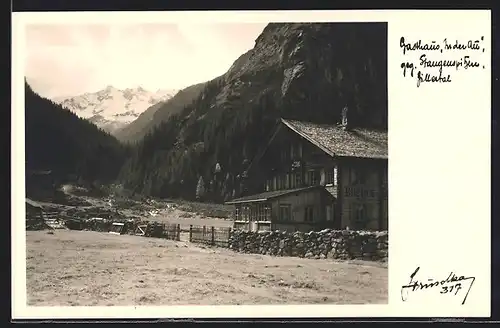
(452, 284)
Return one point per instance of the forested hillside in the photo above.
(59, 141)
(299, 71)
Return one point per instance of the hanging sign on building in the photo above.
(359, 192)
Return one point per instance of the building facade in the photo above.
(312, 177)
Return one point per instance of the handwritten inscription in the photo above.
(453, 284)
(438, 60)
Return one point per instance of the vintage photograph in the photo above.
(206, 164)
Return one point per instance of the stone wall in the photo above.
(334, 244)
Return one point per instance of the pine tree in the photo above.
(200, 188)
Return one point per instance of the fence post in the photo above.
(213, 235)
(229, 237)
(190, 233)
(178, 232)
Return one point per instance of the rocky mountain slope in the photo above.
(296, 71)
(111, 108)
(158, 113)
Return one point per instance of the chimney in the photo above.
(345, 124)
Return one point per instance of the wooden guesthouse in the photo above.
(316, 176)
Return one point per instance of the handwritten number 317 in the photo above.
(449, 289)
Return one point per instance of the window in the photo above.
(357, 176)
(287, 181)
(312, 177)
(237, 213)
(352, 176)
(295, 151)
(285, 212)
(263, 212)
(252, 213)
(309, 214)
(267, 212)
(298, 180)
(329, 212)
(292, 180)
(284, 182)
(330, 177)
(246, 212)
(360, 218)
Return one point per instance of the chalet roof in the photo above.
(33, 203)
(335, 141)
(268, 195)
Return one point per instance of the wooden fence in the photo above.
(127, 227)
(150, 229)
(210, 235)
(172, 231)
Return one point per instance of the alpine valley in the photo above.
(301, 71)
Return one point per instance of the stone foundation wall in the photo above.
(334, 244)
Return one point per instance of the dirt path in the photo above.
(92, 268)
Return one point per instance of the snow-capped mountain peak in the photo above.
(112, 108)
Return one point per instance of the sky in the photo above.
(69, 60)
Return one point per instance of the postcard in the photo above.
(251, 164)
